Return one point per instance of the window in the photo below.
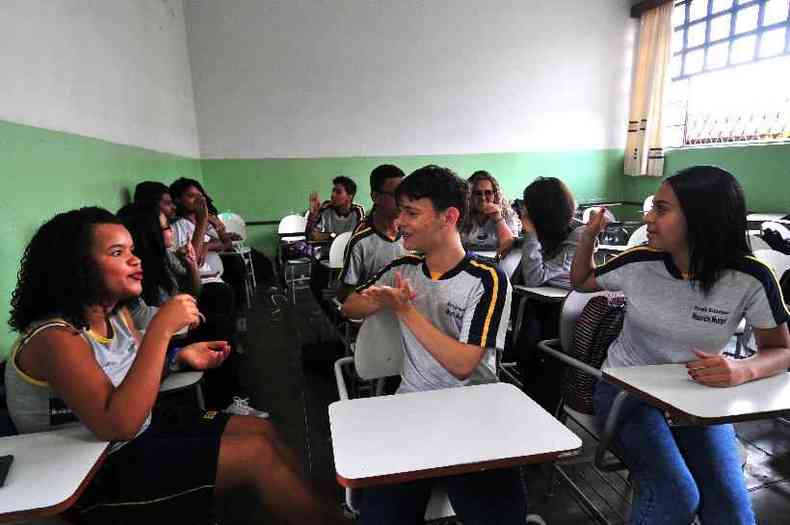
(729, 72)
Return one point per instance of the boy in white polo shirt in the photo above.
(452, 309)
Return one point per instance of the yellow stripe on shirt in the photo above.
(491, 307)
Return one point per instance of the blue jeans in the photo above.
(493, 497)
(677, 471)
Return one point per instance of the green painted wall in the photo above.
(45, 172)
(268, 189)
(763, 171)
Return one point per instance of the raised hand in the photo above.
(716, 370)
(597, 223)
(187, 255)
(204, 355)
(201, 209)
(315, 202)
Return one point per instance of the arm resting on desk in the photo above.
(773, 357)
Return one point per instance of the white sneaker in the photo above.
(240, 406)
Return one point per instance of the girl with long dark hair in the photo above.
(687, 292)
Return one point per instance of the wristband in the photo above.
(170, 361)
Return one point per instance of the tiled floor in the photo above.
(297, 398)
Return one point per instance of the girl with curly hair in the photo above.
(79, 357)
(491, 225)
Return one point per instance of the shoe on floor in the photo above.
(240, 406)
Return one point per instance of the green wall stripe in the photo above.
(762, 170)
(268, 189)
(45, 172)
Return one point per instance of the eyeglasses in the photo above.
(482, 193)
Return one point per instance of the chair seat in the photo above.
(300, 260)
(179, 380)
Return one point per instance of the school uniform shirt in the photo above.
(470, 303)
(330, 221)
(485, 238)
(537, 269)
(367, 252)
(212, 268)
(666, 317)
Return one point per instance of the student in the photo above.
(453, 311)
(550, 238)
(697, 266)
(492, 225)
(551, 234)
(79, 357)
(193, 227)
(376, 241)
(338, 215)
(155, 194)
(168, 272)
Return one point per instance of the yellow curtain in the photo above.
(644, 154)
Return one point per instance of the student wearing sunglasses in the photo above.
(492, 225)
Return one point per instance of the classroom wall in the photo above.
(290, 94)
(762, 170)
(97, 96)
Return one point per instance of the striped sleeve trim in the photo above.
(770, 283)
(488, 312)
(355, 238)
(637, 254)
(413, 260)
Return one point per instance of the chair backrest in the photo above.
(778, 261)
(588, 211)
(638, 237)
(571, 310)
(337, 250)
(292, 225)
(647, 205)
(781, 229)
(757, 243)
(234, 223)
(379, 351)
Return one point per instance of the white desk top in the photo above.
(546, 293)
(48, 469)
(389, 439)
(670, 388)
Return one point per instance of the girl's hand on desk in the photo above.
(716, 370)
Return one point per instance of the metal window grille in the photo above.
(730, 72)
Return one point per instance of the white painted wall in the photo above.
(308, 78)
(117, 70)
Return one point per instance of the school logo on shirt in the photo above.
(455, 312)
(710, 314)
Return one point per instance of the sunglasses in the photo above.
(483, 193)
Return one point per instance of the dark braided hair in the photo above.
(57, 274)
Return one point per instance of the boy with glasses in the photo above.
(376, 241)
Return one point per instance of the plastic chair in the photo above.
(560, 349)
(638, 237)
(296, 271)
(235, 224)
(378, 354)
(177, 381)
